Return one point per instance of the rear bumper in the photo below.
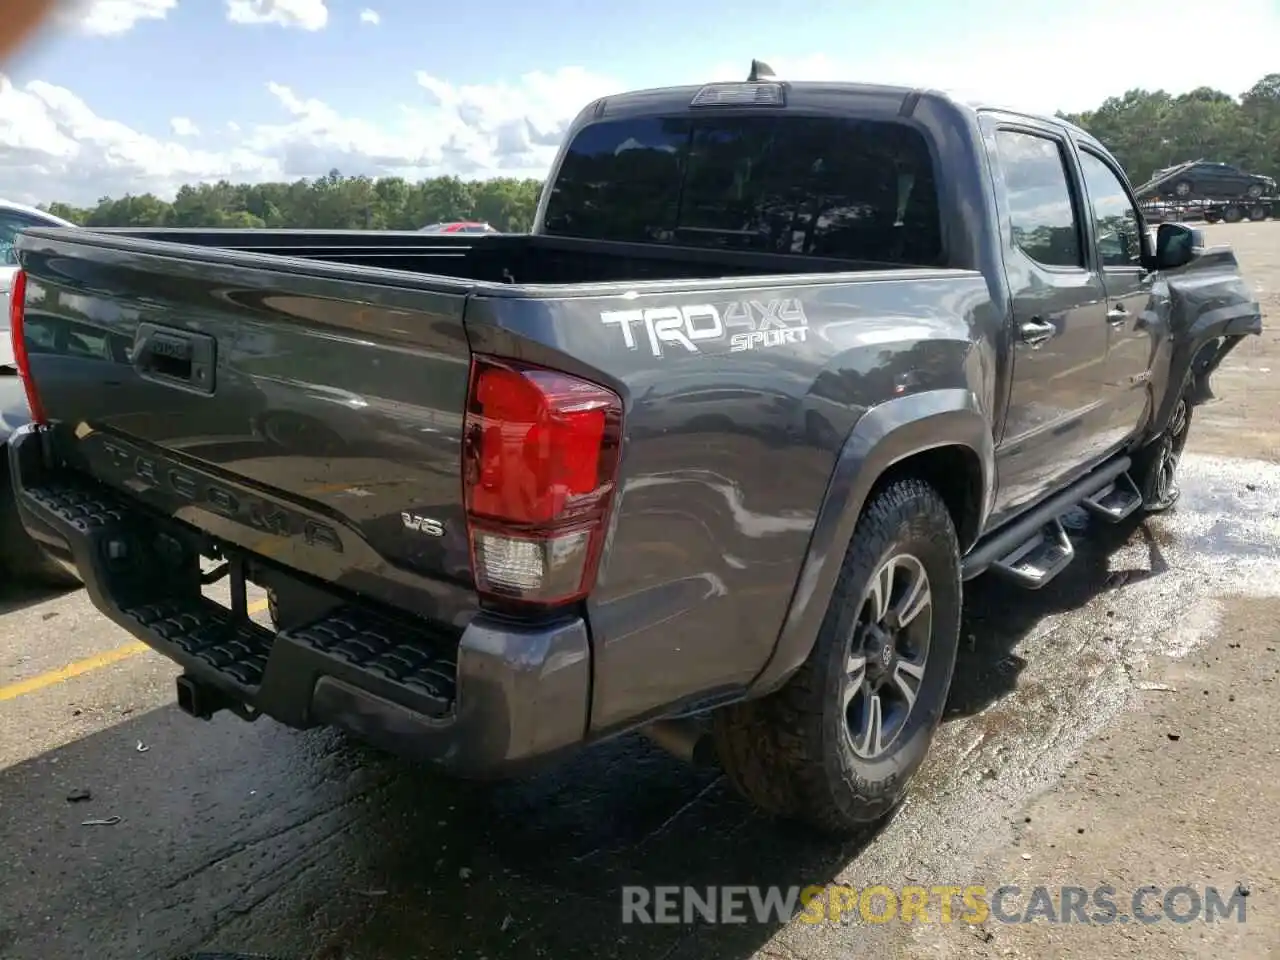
(495, 702)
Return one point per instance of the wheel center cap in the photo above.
(880, 650)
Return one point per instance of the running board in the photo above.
(1039, 558)
(1035, 540)
(1115, 501)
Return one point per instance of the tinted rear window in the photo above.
(819, 186)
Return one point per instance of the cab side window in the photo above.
(1115, 222)
(1042, 213)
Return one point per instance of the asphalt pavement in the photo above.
(253, 837)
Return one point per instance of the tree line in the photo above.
(1146, 130)
(333, 202)
(1149, 131)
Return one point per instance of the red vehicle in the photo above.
(461, 226)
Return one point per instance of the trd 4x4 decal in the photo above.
(748, 325)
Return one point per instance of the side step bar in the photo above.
(1116, 501)
(1038, 559)
(1035, 548)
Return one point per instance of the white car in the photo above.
(20, 557)
(14, 218)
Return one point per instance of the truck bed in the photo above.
(486, 258)
(325, 436)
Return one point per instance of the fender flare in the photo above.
(1231, 324)
(883, 436)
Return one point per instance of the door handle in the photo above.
(1036, 331)
(1117, 315)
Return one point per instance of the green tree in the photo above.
(333, 202)
(1148, 130)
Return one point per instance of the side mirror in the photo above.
(1177, 245)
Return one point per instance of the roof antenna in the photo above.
(760, 70)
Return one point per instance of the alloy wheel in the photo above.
(887, 654)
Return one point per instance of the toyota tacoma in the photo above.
(709, 453)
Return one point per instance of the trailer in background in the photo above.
(1210, 211)
(1209, 191)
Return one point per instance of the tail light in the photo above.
(17, 309)
(540, 462)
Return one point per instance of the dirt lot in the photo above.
(1185, 789)
(1245, 422)
(1121, 727)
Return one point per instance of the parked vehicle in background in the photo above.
(1210, 191)
(21, 557)
(14, 218)
(779, 367)
(1214, 192)
(1204, 179)
(462, 226)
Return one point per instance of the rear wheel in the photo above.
(837, 745)
(1182, 188)
(1233, 214)
(1257, 212)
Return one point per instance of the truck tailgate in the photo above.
(308, 412)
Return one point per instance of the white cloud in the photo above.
(110, 18)
(184, 127)
(53, 146)
(302, 14)
(370, 16)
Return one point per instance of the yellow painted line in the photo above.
(88, 665)
(96, 662)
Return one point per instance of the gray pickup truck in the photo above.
(709, 453)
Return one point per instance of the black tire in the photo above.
(1155, 466)
(22, 558)
(1257, 212)
(1183, 188)
(1254, 191)
(792, 752)
(1233, 214)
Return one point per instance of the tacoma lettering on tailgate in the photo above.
(166, 478)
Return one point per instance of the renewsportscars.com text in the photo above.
(936, 904)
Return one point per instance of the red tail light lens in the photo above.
(540, 462)
(17, 310)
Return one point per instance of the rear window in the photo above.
(816, 186)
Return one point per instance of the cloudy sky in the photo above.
(145, 95)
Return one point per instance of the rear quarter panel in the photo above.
(733, 428)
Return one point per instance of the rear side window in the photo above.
(1041, 212)
(816, 186)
